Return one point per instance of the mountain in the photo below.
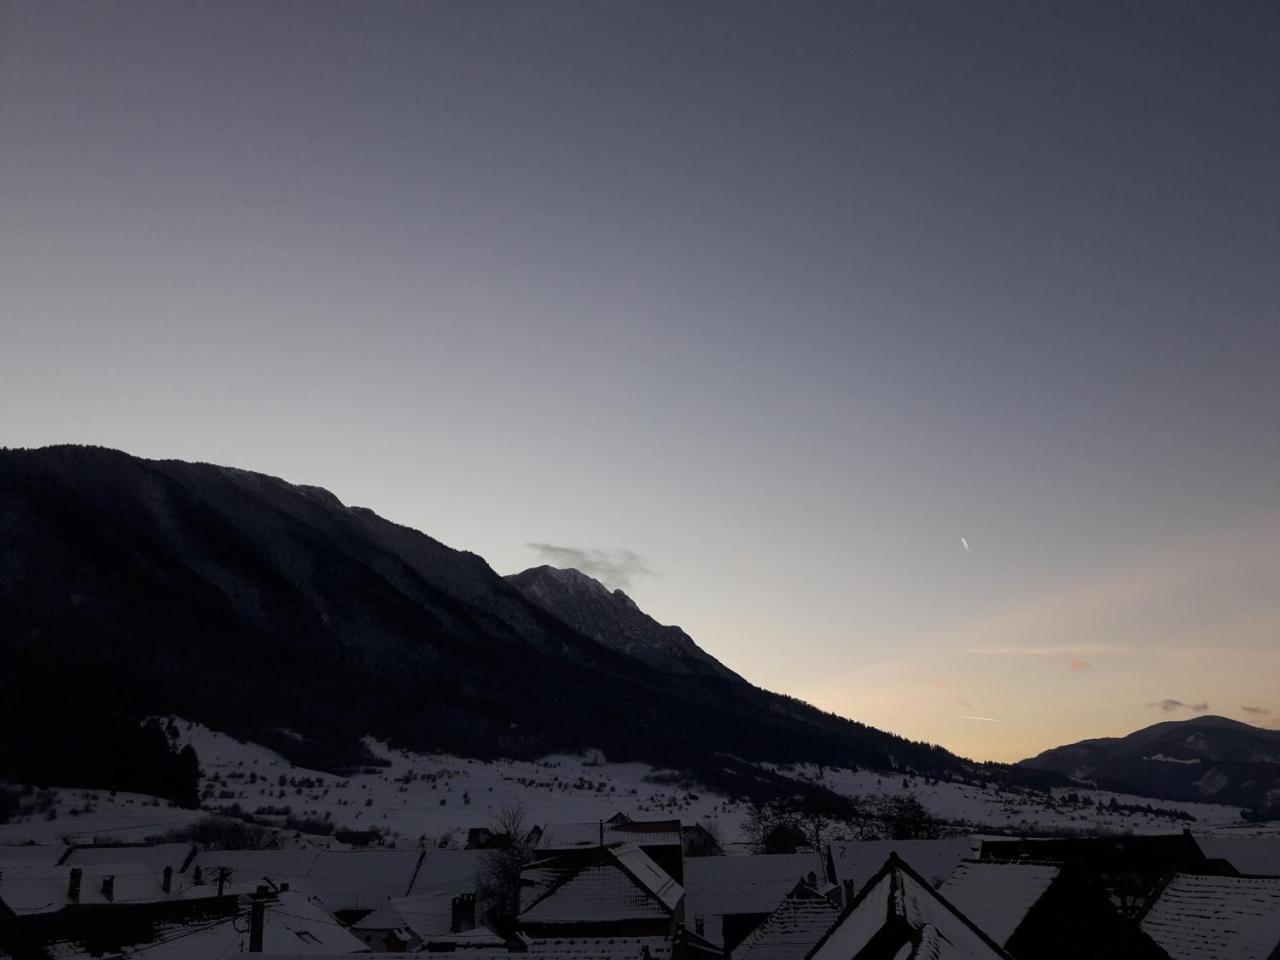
(612, 618)
(1212, 759)
(274, 612)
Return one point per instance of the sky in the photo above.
(921, 360)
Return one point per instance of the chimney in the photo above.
(73, 885)
(222, 880)
(198, 877)
(284, 886)
(109, 887)
(812, 879)
(167, 883)
(462, 913)
(699, 924)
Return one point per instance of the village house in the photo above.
(602, 891)
(796, 924)
(661, 840)
(1130, 868)
(898, 915)
(853, 864)
(1045, 911)
(728, 897)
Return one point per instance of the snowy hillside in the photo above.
(418, 798)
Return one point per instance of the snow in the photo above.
(427, 799)
(1216, 918)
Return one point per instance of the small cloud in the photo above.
(1256, 710)
(1169, 705)
(987, 719)
(1079, 666)
(1053, 650)
(964, 703)
(613, 568)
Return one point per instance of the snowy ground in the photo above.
(434, 796)
(986, 806)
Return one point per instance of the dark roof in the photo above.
(1160, 854)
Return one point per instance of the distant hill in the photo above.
(612, 618)
(1213, 759)
(133, 587)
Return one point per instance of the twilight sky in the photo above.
(756, 309)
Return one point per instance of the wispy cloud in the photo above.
(613, 568)
(1079, 666)
(987, 719)
(1170, 705)
(1257, 710)
(1052, 650)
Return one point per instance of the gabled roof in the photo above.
(617, 882)
(998, 895)
(718, 887)
(1216, 918)
(575, 836)
(794, 927)
(899, 915)
(1259, 856)
(932, 859)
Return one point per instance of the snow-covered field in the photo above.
(434, 797)
(987, 806)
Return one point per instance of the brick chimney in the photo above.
(73, 884)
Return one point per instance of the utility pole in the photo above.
(257, 918)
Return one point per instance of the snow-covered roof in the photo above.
(1258, 856)
(1216, 918)
(998, 895)
(600, 948)
(442, 876)
(293, 925)
(156, 856)
(363, 879)
(37, 888)
(447, 871)
(256, 865)
(575, 836)
(902, 903)
(932, 859)
(792, 929)
(618, 882)
(717, 887)
(13, 854)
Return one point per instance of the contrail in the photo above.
(965, 543)
(988, 719)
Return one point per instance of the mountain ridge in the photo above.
(1209, 758)
(248, 603)
(615, 620)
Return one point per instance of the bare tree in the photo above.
(498, 885)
